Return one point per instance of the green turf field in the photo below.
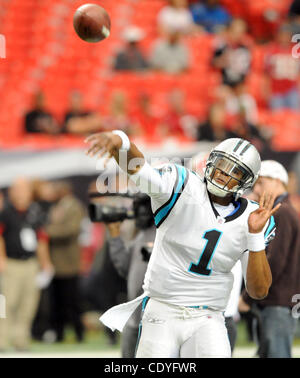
(96, 344)
(97, 341)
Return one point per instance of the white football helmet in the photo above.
(234, 157)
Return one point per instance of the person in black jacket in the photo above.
(214, 128)
(39, 119)
(131, 263)
(131, 58)
(104, 286)
(232, 54)
(23, 252)
(277, 324)
(75, 110)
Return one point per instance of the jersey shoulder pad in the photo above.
(252, 205)
(197, 175)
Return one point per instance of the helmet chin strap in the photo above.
(238, 194)
(219, 192)
(215, 190)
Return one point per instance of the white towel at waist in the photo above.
(117, 316)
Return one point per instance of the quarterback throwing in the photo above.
(204, 227)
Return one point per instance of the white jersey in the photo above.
(195, 249)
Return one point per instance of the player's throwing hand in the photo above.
(110, 143)
(102, 143)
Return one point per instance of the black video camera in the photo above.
(141, 209)
(109, 214)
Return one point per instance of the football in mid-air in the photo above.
(92, 23)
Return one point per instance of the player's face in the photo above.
(226, 174)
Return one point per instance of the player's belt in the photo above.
(198, 307)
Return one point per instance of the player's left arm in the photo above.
(259, 276)
(146, 178)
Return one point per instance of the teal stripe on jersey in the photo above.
(144, 304)
(164, 211)
(270, 227)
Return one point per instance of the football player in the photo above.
(204, 227)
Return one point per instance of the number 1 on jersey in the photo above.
(212, 237)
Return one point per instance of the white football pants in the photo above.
(169, 331)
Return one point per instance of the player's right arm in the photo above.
(155, 183)
(109, 143)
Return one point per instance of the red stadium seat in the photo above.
(286, 128)
(44, 52)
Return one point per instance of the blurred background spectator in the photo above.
(232, 54)
(131, 58)
(294, 17)
(39, 120)
(131, 263)
(63, 230)
(85, 124)
(277, 322)
(293, 190)
(215, 127)
(75, 111)
(237, 98)
(103, 287)
(44, 196)
(211, 15)
(282, 72)
(170, 54)
(176, 122)
(118, 117)
(175, 17)
(23, 252)
(144, 117)
(1, 201)
(241, 128)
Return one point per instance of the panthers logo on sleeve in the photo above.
(270, 231)
(163, 170)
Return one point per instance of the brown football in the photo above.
(91, 23)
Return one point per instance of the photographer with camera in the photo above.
(103, 287)
(131, 263)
